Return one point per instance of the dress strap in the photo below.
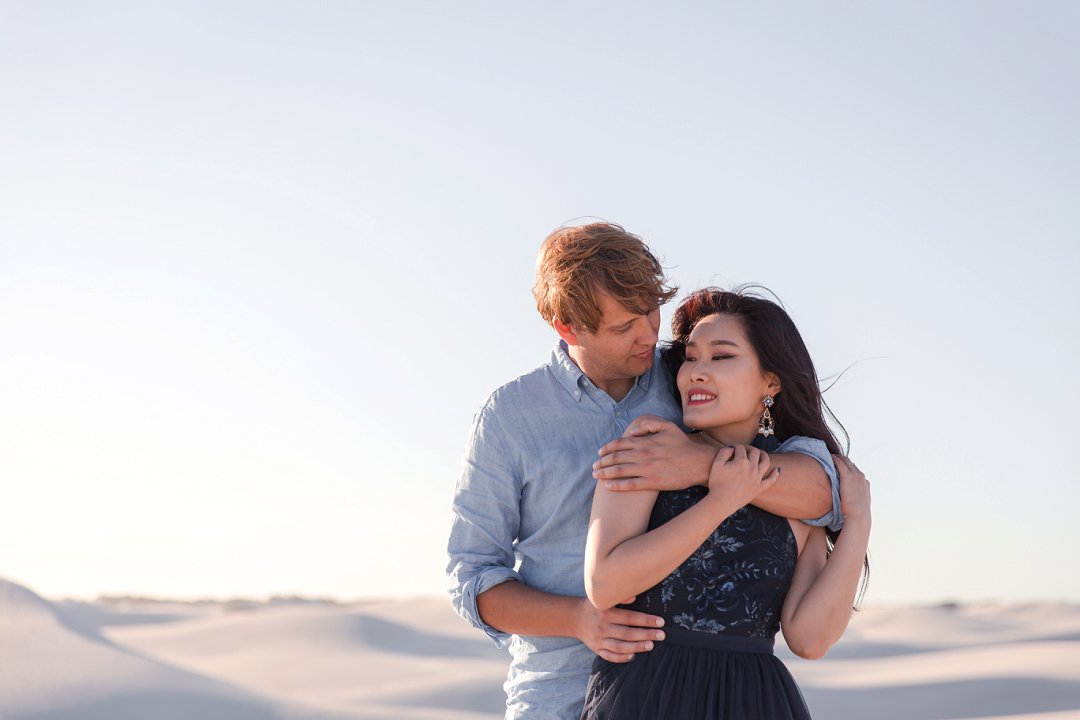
(714, 641)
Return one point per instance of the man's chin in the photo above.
(640, 366)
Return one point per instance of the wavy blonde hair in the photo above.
(576, 263)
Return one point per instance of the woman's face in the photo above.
(721, 381)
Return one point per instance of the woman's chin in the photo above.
(695, 418)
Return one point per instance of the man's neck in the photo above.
(616, 388)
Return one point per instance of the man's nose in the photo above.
(647, 332)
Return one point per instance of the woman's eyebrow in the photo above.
(714, 342)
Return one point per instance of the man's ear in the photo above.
(565, 332)
(772, 384)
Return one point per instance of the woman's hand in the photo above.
(739, 474)
(854, 490)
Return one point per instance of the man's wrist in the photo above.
(708, 455)
(577, 618)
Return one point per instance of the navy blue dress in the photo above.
(722, 612)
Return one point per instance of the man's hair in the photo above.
(576, 263)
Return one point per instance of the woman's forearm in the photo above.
(823, 612)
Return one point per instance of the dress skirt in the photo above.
(696, 676)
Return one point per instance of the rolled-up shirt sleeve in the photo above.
(834, 519)
(486, 516)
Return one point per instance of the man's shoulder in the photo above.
(524, 406)
(530, 387)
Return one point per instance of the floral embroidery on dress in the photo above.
(699, 624)
(735, 582)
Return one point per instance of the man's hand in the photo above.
(653, 454)
(617, 634)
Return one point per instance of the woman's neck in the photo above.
(727, 435)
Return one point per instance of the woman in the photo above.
(724, 574)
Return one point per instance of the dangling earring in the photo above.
(765, 425)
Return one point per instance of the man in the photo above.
(521, 507)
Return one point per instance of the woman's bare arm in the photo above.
(818, 605)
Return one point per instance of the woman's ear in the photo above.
(772, 384)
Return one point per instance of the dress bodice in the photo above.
(722, 607)
(735, 582)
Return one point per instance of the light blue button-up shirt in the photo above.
(521, 511)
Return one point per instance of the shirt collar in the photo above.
(566, 370)
(569, 375)
(644, 380)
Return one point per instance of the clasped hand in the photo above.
(739, 474)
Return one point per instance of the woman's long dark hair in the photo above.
(799, 409)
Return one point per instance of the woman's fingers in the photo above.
(771, 476)
(852, 467)
(854, 487)
(763, 463)
(758, 460)
(726, 454)
(740, 453)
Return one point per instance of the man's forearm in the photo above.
(516, 608)
(802, 490)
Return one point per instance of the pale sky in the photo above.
(261, 262)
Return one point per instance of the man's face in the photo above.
(622, 346)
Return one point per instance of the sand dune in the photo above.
(416, 660)
(54, 670)
(339, 659)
